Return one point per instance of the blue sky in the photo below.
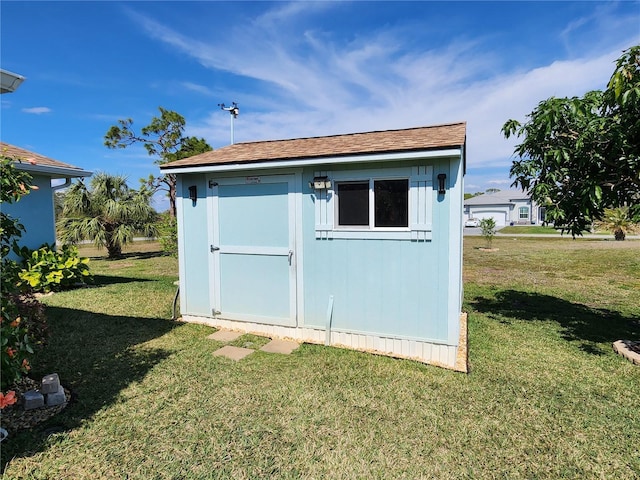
(297, 69)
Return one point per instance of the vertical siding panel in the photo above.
(442, 356)
(452, 356)
(397, 345)
(405, 348)
(370, 342)
(427, 351)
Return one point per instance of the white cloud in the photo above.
(194, 87)
(320, 85)
(37, 110)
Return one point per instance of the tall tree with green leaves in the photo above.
(581, 155)
(109, 213)
(163, 138)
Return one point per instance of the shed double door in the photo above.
(254, 249)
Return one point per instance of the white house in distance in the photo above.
(348, 240)
(506, 207)
(36, 210)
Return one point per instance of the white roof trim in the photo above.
(54, 172)
(305, 162)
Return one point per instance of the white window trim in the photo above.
(526, 211)
(419, 209)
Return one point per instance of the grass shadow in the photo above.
(108, 362)
(130, 256)
(104, 280)
(580, 323)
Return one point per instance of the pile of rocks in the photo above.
(38, 401)
(51, 394)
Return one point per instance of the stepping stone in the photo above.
(234, 353)
(225, 336)
(280, 346)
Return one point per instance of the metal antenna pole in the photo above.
(234, 111)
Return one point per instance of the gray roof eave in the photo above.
(51, 171)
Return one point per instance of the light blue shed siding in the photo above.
(35, 212)
(389, 287)
(193, 225)
(394, 288)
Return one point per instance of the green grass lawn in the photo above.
(546, 396)
(540, 229)
(529, 229)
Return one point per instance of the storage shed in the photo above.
(348, 240)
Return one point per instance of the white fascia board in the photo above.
(500, 204)
(306, 162)
(54, 172)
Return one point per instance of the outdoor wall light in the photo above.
(320, 183)
(441, 178)
(193, 193)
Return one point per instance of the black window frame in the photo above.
(373, 220)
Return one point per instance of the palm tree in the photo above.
(618, 221)
(109, 213)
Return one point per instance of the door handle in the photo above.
(213, 248)
(290, 256)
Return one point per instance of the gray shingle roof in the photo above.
(499, 198)
(388, 141)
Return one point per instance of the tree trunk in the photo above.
(171, 182)
(114, 250)
(619, 234)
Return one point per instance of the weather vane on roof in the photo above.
(234, 111)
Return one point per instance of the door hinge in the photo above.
(213, 248)
(212, 184)
(215, 312)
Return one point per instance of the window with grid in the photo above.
(524, 213)
(388, 203)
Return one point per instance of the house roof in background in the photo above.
(389, 141)
(35, 162)
(498, 198)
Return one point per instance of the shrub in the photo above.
(619, 221)
(15, 346)
(33, 317)
(46, 269)
(168, 230)
(488, 230)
